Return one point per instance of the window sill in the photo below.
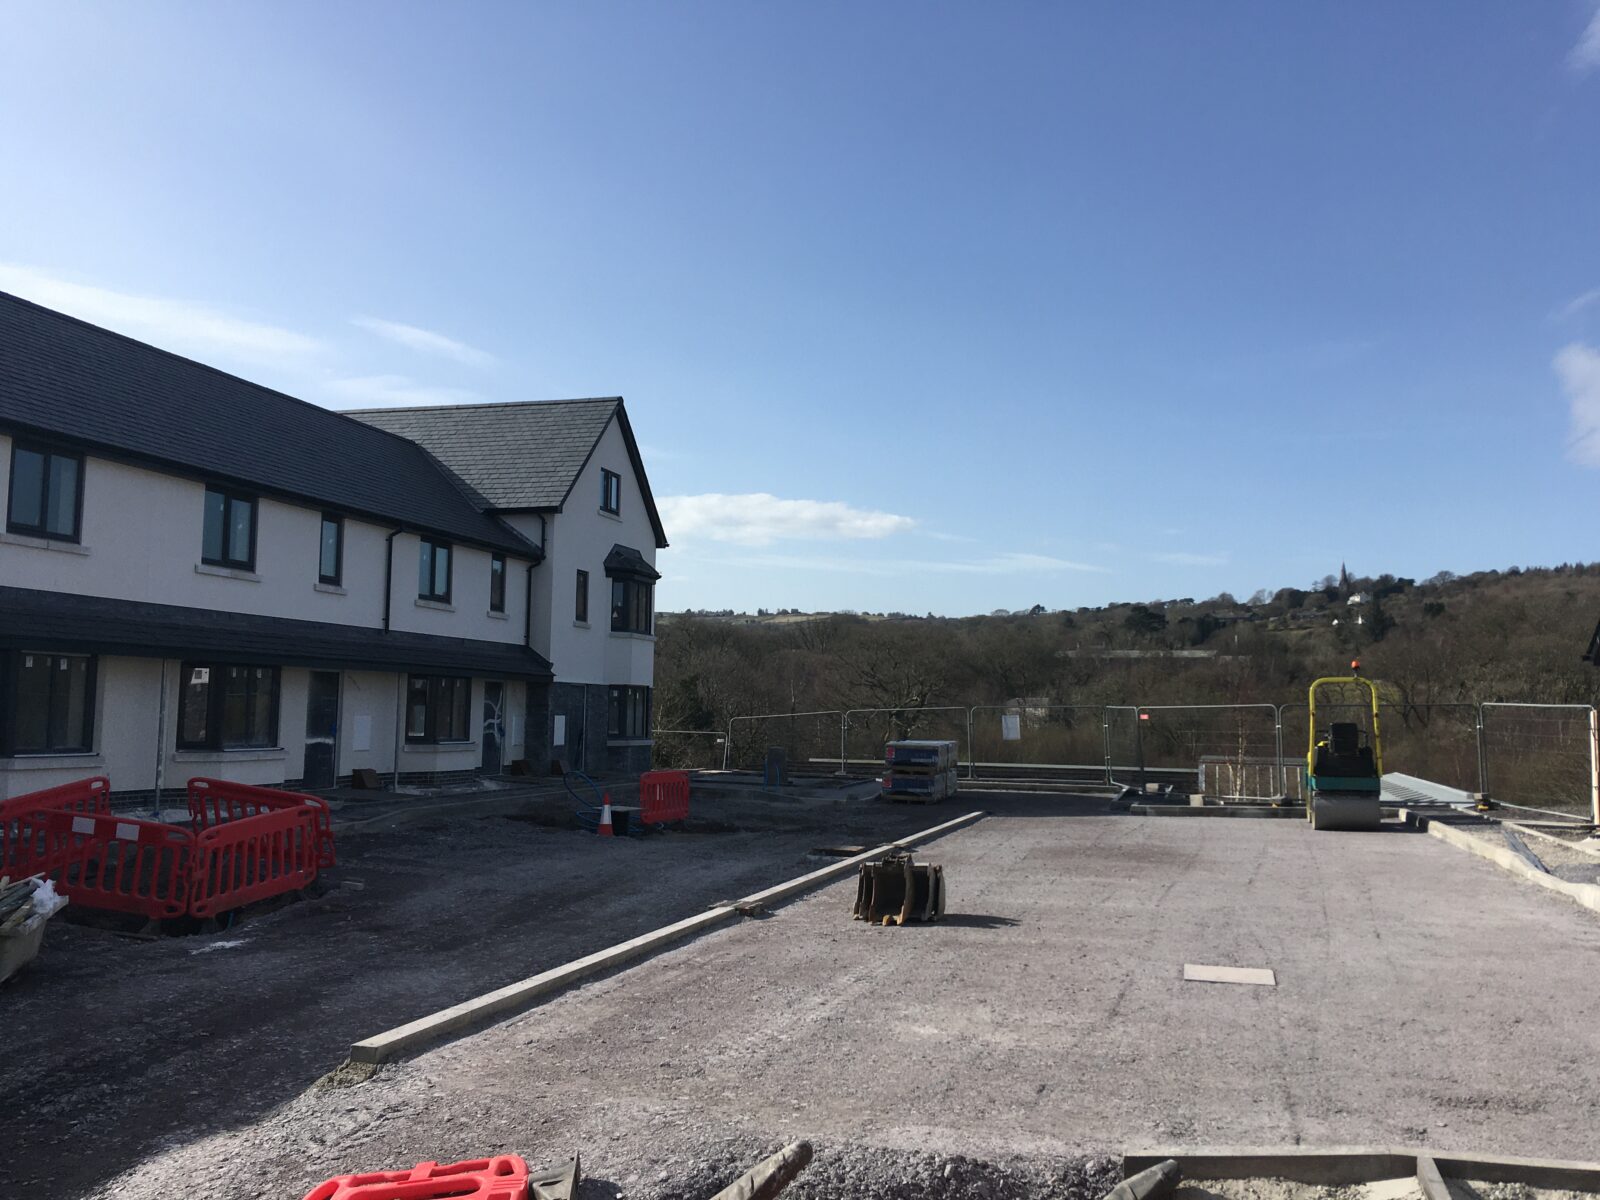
(44, 760)
(610, 516)
(437, 747)
(438, 605)
(580, 624)
(497, 616)
(243, 754)
(333, 589)
(39, 543)
(631, 636)
(226, 572)
(611, 741)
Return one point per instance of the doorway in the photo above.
(322, 730)
(493, 725)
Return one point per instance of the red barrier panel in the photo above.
(91, 795)
(504, 1177)
(251, 858)
(213, 802)
(103, 861)
(663, 797)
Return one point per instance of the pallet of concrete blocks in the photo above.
(897, 890)
(922, 772)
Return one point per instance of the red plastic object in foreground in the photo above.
(214, 802)
(503, 1177)
(92, 795)
(101, 861)
(663, 797)
(239, 862)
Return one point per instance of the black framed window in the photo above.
(497, 583)
(433, 571)
(47, 704)
(330, 550)
(229, 539)
(438, 708)
(628, 712)
(632, 605)
(46, 493)
(228, 706)
(580, 606)
(610, 491)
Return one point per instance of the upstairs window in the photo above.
(49, 703)
(580, 607)
(632, 603)
(330, 554)
(497, 583)
(433, 571)
(438, 708)
(610, 492)
(229, 539)
(228, 707)
(46, 493)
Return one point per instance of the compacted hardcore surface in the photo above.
(1423, 997)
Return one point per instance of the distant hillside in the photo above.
(1501, 635)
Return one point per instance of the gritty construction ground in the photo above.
(1423, 997)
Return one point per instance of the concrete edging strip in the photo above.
(516, 997)
(1341, 1166)
(1586, 894)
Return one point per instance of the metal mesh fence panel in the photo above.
(809, 740)
(1120, 737)
(1237, 742)
(1045, 739)
(1437, 742)
(1540, 755)
(687, 749)
(869, 730)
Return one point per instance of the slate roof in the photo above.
(100, 625)
(64, 378)
(625, 560)
(524, 455)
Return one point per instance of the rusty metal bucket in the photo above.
(898, 890)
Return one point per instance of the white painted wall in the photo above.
(141, 541)
(580, 537)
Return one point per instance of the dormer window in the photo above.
(610, 492)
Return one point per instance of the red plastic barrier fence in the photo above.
(251, 858)
(213, 802)
(104, 861)
(663, 797)
(504, 1177)
(91, 795)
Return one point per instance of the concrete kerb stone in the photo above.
(1342, 1166)
(516, 997)
(1585, 894)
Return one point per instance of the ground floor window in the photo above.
(48, 704)
(228, 707)
(629, 712)
(439, 708)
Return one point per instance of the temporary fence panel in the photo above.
(213, 802)
(1542, 756)
(252, 858)
(1050, 740)
(867, 732)
(92, 795)
(1438, 742)
(663, 797)
(112, 862)
(804, 737)
(687, 749)
(1175, 739)
(1245, 779)
(1120, 740)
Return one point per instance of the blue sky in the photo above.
(915, 306)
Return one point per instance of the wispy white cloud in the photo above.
(1187, 558)
(1577, 366)
(1585, 56)
(424, 341)
(393, 391)
(179, 325)
(1577, 304)
(1007, 563)
(758, 519)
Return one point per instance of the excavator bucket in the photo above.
(898, 890)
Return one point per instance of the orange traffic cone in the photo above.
(605, 829)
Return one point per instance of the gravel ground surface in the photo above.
(1575, 866)
(1424, 997)
(115, 1049)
